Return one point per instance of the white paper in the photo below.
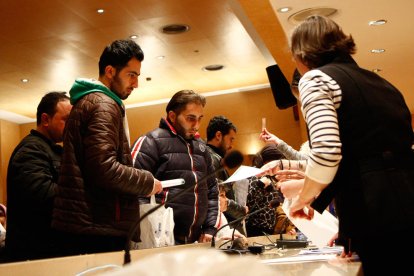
(243, 172)
(300, 258)
(172, 182)
(318, 230)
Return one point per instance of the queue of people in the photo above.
(84, 197)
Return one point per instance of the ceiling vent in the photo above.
(214, 67)
(299, 16)
(175, 29)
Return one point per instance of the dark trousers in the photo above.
(387, 255)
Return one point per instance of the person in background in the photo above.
(3, 217)
(290, 176)
(96, 202)
(289, 152)
(227, 232)
(175, 150)
(32, 177)
(360, 136)
(291, 180)
(261, 192)
(221, 133)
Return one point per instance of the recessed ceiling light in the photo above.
(175, 29)
(377, 51)
(214, 67)
(133, 36)
(160, 57)
(377, 22)
(24, 80)
(284, 9)
(301, 15)
(100, 10)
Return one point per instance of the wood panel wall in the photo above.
(9, 138)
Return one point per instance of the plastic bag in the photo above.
(157, 229)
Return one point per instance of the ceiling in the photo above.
(52, 42)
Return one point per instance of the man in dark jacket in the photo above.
(31, 182)
(221, 133)
(174, 150)
(97, 196)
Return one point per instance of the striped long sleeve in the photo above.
(321, 97)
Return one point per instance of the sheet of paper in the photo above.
(172, 182)
(243, 172)
(300, 258)
(318, 230)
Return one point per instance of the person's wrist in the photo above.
(306, 200)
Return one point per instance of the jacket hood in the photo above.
(82, 87)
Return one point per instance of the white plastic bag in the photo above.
(157, 229)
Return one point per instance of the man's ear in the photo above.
(172, 116)
(44, 119)
(218, 135)
(110, 71)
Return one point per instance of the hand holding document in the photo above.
(318, 230)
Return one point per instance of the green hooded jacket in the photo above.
(82, 87)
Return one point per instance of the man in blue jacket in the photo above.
(174, 150)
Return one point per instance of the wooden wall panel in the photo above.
(9, 138)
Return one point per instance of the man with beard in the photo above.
(221, 133)
(96, 202)
(175, 150)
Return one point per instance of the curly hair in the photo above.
(219, 123)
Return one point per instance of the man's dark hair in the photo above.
(219, 123)
(48, 104)
(180, 99)
(118, 54)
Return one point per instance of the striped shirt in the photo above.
(320, 97)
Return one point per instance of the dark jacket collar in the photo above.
(55, 147)
(216, 150)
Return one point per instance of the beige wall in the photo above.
(245, 109)
(9, 138)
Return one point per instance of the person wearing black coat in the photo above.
(32, 177)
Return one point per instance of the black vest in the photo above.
(376, 135)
